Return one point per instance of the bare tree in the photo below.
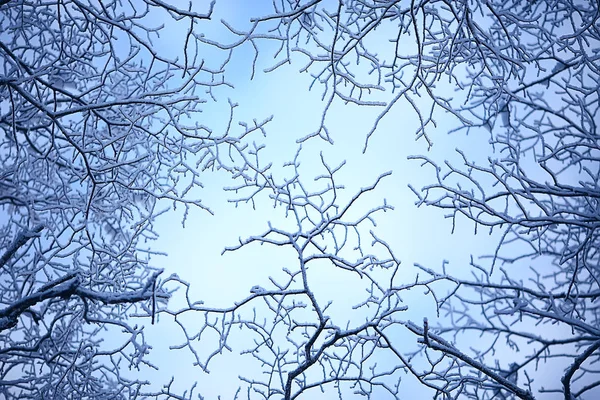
(300, 345)
(525, 74)
(546, 316)
(97, 125)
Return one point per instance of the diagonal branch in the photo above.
(21, 239)
(436, 342)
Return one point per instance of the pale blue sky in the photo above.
(416, 234)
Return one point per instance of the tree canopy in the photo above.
(106, 126)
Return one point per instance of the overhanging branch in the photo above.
(21, 239)
(66, 287)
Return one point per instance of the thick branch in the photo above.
(436, 342)
(65, 288)
(20, 241)
(566, 379)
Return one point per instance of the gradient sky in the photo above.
(417, 235)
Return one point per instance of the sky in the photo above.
(195, 249)
(417, 235)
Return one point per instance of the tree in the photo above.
(525, 73)
(99, 129)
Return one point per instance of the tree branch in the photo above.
(20, 241)
(68, 286)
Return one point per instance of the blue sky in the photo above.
(416, 234)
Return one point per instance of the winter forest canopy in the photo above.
(300, 199)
